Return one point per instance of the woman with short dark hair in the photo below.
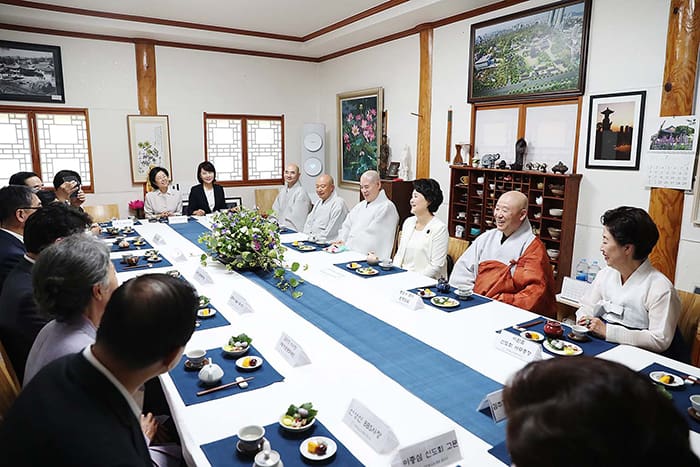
(163, 201)
(424, 237)
(207, 196)
(630, 302)
(588, 411)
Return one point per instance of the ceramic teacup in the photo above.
(196, 356)
(250, 436)
(695, 402)
(579, 330)
(386, 264)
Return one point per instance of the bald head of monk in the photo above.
(324, 186)
(510, 212)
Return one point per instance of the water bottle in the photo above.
(582, 270)
(593, 271)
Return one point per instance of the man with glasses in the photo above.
(17, 203)
(33, 181)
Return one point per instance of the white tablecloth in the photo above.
(337, 375)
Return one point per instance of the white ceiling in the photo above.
(287, 17)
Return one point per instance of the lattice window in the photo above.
(45, 140)
(15, 148)
(245, 149)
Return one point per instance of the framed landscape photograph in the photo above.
(531, 54)
(359, 125)
(675, 135)
(615, 131)
(31, 72)
(149, 145)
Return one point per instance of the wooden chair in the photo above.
(455, 248)
(9, 384)
(265, 197)
(102, 212)
(688, 324)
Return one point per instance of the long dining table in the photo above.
(350, 363)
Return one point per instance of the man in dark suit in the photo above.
(20, 318)
(17, 204)
(79, 410)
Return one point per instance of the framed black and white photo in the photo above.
(31, 72)
(615, 131)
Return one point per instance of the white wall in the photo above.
(394, 67)
(193, 82)
(626, 52)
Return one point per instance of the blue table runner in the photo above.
(223, 452)
(591, 348)
(365, 264)
(681, 395)
(188, 385)
(474, 300)
(141, 265)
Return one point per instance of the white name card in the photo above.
(239, 304)
(370, 428)
(291, 351)
(409, 300)
(494, 401)
(122, 223)
(178, 256)
(202, 276)
(177, 219)
(515, 345)
(158, 240)
(440, 450)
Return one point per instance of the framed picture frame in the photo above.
(234, 202)
(149, 145)
(393, 170)
(615, 127)
(31, 73)
(537, 53)
(359, 134)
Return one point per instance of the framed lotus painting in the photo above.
(359, 132)
(149, 144)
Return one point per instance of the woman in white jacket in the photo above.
(424, 237)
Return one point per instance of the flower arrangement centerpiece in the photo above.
(137, 207)
(248, 239)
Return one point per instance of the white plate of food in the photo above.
(306, 247)
(249, 363)
(560, 347)
(444, 302)
(667, 379)
(318, 448)
(532, 336)
(353, 265)
(206, 312)
(366, 271)
(298, 418)
(426, 293)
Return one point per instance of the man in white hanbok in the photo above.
(292, 204)
(371, 224)
(328, 213)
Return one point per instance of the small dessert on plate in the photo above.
(532, 336)
(318, 448)
(444, 302)
(367, 271)
(249, 363)
(354, 265)
(426, 293)
(206, 312)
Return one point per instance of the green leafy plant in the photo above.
(248, 239)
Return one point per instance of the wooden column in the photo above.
(146, 77)
(425, 98)
(666, 205)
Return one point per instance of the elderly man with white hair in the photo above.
(371, 224)
(509, 263)
(292, 204)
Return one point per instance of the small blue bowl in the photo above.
(474, 231)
